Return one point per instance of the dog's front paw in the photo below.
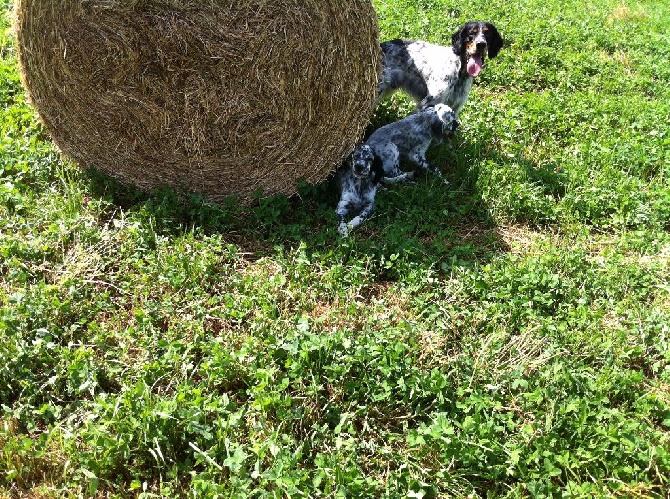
(343, 229)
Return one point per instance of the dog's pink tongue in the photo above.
(475, 65)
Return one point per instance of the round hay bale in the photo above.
(219, 97)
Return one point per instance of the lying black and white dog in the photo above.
(378, 160)
(435, 74)
(358, 179)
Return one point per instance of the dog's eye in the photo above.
(485, 30)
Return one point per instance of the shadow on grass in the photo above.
(427, 223)
(424, 223)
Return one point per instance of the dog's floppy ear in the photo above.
(436, 126)
(457, 42)
(377, 169)
(493, 40)
(348, 160)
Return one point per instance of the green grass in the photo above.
(506, 337)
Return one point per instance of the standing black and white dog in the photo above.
(378, 160)
(435, 74)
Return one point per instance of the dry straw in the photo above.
(216, 97)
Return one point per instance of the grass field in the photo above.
(508, 336)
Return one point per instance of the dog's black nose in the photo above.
(481, 45)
